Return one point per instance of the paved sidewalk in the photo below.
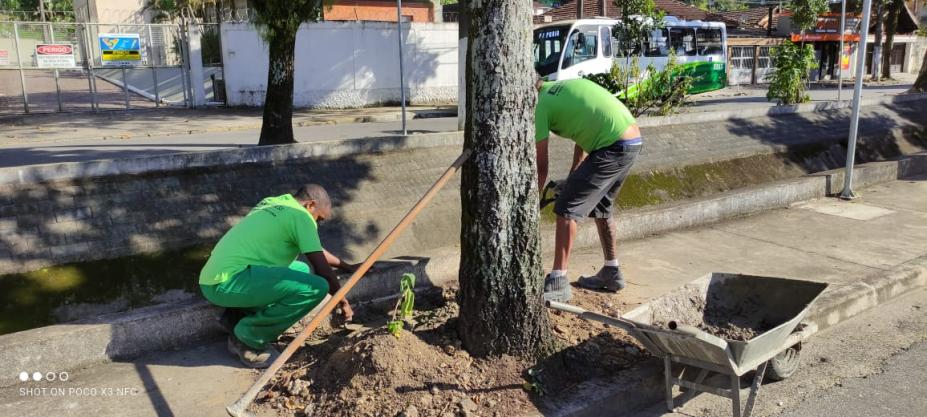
(827, 240)
(57, 127)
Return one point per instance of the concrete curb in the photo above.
(123, 336)
(643, 386)
(336, 148)
(126, 335)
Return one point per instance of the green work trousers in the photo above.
(274, 297)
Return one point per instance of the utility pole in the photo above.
(42, 10)
(843, 23)
(402, 83)
(847, 193)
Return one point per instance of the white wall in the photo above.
(347, 64)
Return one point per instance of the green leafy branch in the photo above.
(404, 305)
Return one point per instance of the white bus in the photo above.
(575, 48)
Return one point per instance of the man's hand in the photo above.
(346, 267)
(346, 312)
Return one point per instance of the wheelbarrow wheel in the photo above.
(784, 364)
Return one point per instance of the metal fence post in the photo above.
(94, 104)
(402, 89)
(125, 80)
(154, 70)
(19, 61)
(51, 31)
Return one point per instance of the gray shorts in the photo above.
(590, 191)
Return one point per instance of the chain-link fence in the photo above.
(55, 66)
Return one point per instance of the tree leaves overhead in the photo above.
(282, 18)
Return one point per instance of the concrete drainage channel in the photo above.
(124, 336)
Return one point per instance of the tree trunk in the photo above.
(891, 25)
(920, 85)
(877, 44)
(277, 127)
(501, 311)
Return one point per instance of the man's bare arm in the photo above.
(578, 156)
(336, 262)
(542, 158)
(320, 267)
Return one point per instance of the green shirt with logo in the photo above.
(582, 111)
(274, 233)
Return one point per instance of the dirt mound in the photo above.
(366, 371)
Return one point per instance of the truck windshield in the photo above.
(548, 45)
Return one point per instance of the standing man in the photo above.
(607, 141)
(253, 268)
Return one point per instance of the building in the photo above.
(419, 11)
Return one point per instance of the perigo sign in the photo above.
(57, 49)
(54, 55)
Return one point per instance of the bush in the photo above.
(787, 82)
(662, 91)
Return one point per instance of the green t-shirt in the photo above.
(580, 110)
(274, 233)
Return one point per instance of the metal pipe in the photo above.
(94, 104)
(402, 89)
(154, 71)
(125, 81)
(19, 62)
(847, 193)
(51, 31)
(843, 23)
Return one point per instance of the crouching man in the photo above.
(253, 269)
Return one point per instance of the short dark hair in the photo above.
(314, 192)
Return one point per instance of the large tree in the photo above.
(279, 21)
(501, 281)
(878, 15)
(891, 25)
(920, 85)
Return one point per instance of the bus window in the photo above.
(606, 37)
(655, 43)
(548, 42)
(708, 42)
(580, 48)
(682, 41)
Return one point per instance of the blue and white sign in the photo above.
(120, 49)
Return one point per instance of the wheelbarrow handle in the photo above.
(588, 315)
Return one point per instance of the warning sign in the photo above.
(120, 50)
(54, 56)
(4, 57)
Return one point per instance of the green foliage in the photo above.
(404, 305)
(637, 18)
(662, 91)
(922, 32)
(55, 10)
(719, 5)
(805, 12)
(786, 84)
(282, 18)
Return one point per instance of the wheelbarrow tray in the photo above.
(772, 306)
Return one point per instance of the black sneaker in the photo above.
(557, 289)
(607, 279)
(250, 357)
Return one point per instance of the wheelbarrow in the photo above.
(669, 327)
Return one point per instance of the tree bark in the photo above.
(501, 311)
(920, 85)
(877, 44)
(277, 127)
(891, 25)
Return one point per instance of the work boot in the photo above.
(607, 279)
(557, 289)
(250, 357)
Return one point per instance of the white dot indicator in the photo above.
(37, 376)
(23, 376)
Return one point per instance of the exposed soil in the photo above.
(363, 370)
